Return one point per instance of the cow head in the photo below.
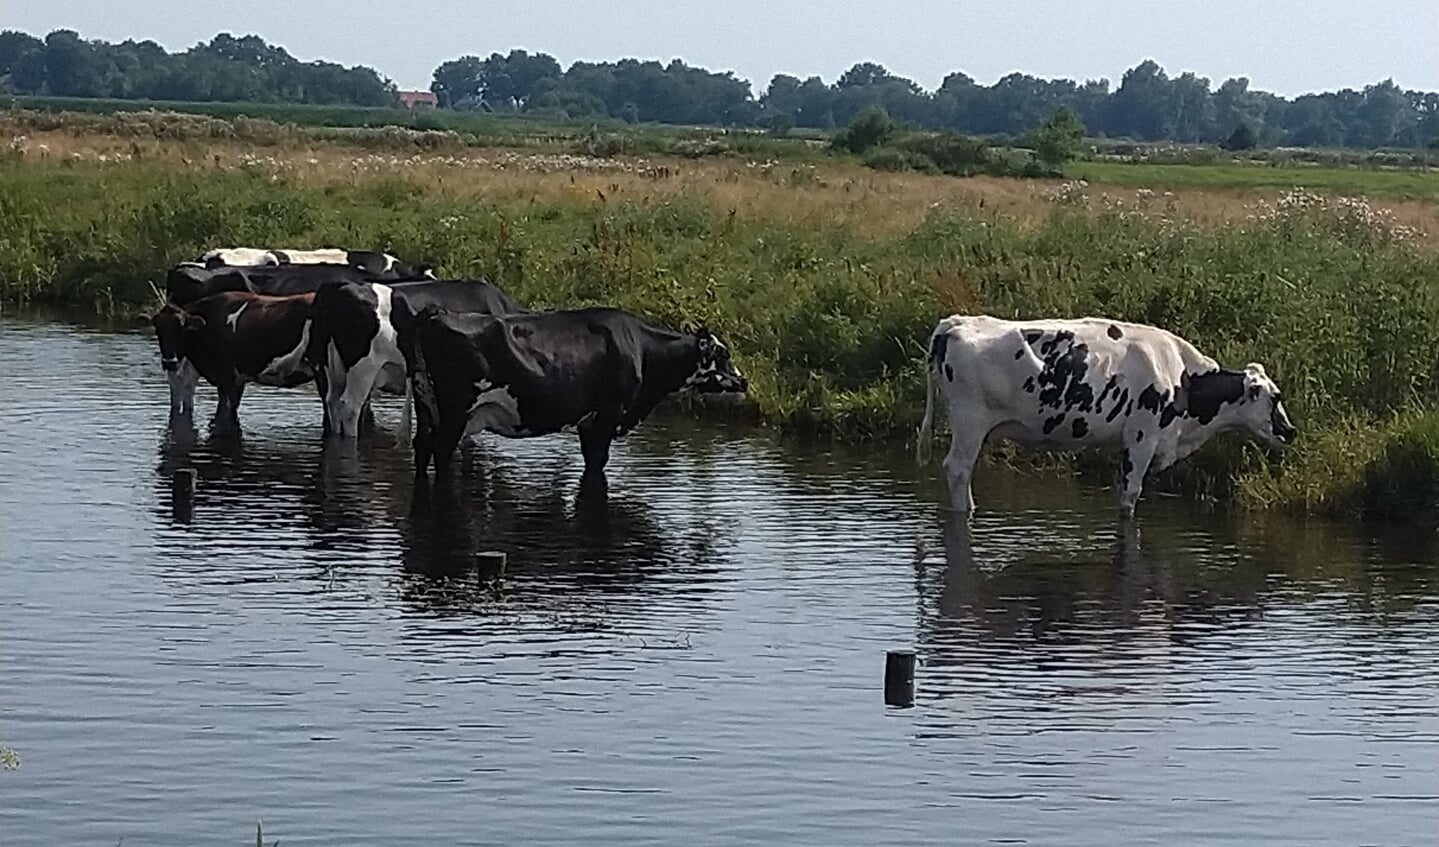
(1263, 409)
(173, 326)
(714, 372)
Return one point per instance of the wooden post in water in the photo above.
(899, 678)
(182, 494)
(490, 565)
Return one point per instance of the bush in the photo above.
(870, 128)
(1242, 138)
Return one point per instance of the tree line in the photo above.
(1146, 105)
(227, 69)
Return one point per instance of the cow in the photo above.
(597, 371)
(376, 264)
(354, 344)
(233, 338)
(1088, 382)
(188, 281)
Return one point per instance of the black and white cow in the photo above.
(1088, 382)
(355, 347)
(598, 371)
(376, 264)
(231, 339)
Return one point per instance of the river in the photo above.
(694, 658)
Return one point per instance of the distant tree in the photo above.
(869, 129)
(1141, 106)
(1242, 138)
(459, 83)
(1235, 104)
(861, 75)
(508, 81)
(1058, 139)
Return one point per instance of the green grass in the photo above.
(830, 324)
(291, 122)
(1407, 184)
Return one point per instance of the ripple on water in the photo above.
(695, 656)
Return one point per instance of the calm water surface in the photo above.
(695, 658)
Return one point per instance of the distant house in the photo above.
(419, 99)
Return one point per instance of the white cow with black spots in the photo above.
(1087, 382)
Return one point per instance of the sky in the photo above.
(1287, 47)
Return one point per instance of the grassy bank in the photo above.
(824, 280)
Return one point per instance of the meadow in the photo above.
(823, 276)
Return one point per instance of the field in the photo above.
(824, 277)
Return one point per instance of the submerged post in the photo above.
(899, 678)
(182, 494)
(490, 565)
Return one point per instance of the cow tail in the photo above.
(926, 426)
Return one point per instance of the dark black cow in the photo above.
(188, 282)
(231, 339)
(354, 343)
(599, 371)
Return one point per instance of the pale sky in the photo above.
(1288, 47)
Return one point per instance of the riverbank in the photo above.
(824, 278)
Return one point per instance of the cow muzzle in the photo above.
(170, 365)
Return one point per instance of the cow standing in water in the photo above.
(231, 339)
(1088, 382)
(598, 371)
(355, 343)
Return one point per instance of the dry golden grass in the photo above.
(869, 203)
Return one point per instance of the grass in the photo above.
(1408, 184)
(824, 278)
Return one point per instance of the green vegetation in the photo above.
(1395, 184)
(827, 316)
(1147, 103)
(288, 125)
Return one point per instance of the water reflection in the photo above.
(707, 630)
(357, 507)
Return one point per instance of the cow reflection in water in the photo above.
(359, 508)
(589, 545)
(1040, 597)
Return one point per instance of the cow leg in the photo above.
(445, 438)
(353, 395)
(227, 408)
(403, 437)
(367, 417)
(424, 442)
(1134, 465)
(322, 388)
(595, 445)
(182, 388)
(964, 447)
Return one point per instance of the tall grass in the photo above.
(828, 314)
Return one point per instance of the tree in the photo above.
(1058, 139)
(1242, 138)
(458, 83)
(508, 81)
(861, 75)
(1141, 107)
(869, 129)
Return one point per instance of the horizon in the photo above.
(1410, 69)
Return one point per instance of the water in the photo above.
(694, 659)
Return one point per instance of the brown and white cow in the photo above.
(231, 339)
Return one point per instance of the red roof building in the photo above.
(418, 99)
